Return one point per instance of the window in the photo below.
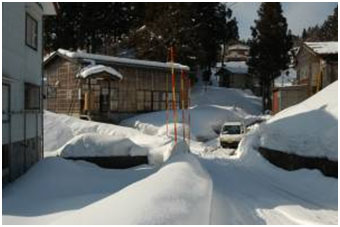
(31, 32)
(5, 158)
(5, 102)
(51, 91)
(32, 96)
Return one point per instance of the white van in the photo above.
(231, 134)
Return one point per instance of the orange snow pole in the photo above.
(173, 76)
(167, 102)
(188, 99)
(182, 102)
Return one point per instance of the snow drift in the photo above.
(308, 129)
(205, 124)
(209, 111)
(57, 191)
(93, 144)
(69, 136)
(221, 96)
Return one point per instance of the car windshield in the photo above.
(231, 129)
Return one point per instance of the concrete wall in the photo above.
(21, 64)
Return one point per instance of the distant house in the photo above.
(234, 74)
(22, 134)
(237, 52)
(106, 88)
(317, 65)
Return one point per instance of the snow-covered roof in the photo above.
(238, 47)
(239, 67)
(49, 8)
(94, 69)
(116, 60)
(323, 47)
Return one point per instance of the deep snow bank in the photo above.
(227, 97)
(68, 136)
(93, 144)
(209, 110)
(206, 121)
(57, 191)
(250, 190)
(307, 129)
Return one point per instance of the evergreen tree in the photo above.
(329, 29)
(269, 48)
(91, 26)
(196, 30)
(304, 34)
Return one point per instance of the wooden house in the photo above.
(317, 65)
(106, 88)
(237, 52)
(22, 134)
(234, 74)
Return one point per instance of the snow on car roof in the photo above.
(94, 69)
(232, 123)
(118, 60)
(323, 47)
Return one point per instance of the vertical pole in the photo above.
(182, 102)
(174, 92)
(189, 90)
(167, 102)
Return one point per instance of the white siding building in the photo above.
(22, 134)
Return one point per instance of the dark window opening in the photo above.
(5, 156)
(31, 32)
(5, 102)
(32, 97)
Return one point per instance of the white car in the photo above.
(231, 134)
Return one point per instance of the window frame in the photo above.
(30, 85)
(9, 103)
(26, 30)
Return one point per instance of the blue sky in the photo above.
(299, 15)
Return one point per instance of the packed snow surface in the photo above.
(58, 191)
(94, 69)
(309, 128)
(247, 189)
(323, 47)
(214, 186)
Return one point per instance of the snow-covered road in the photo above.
(210, 186)
(242, 196)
